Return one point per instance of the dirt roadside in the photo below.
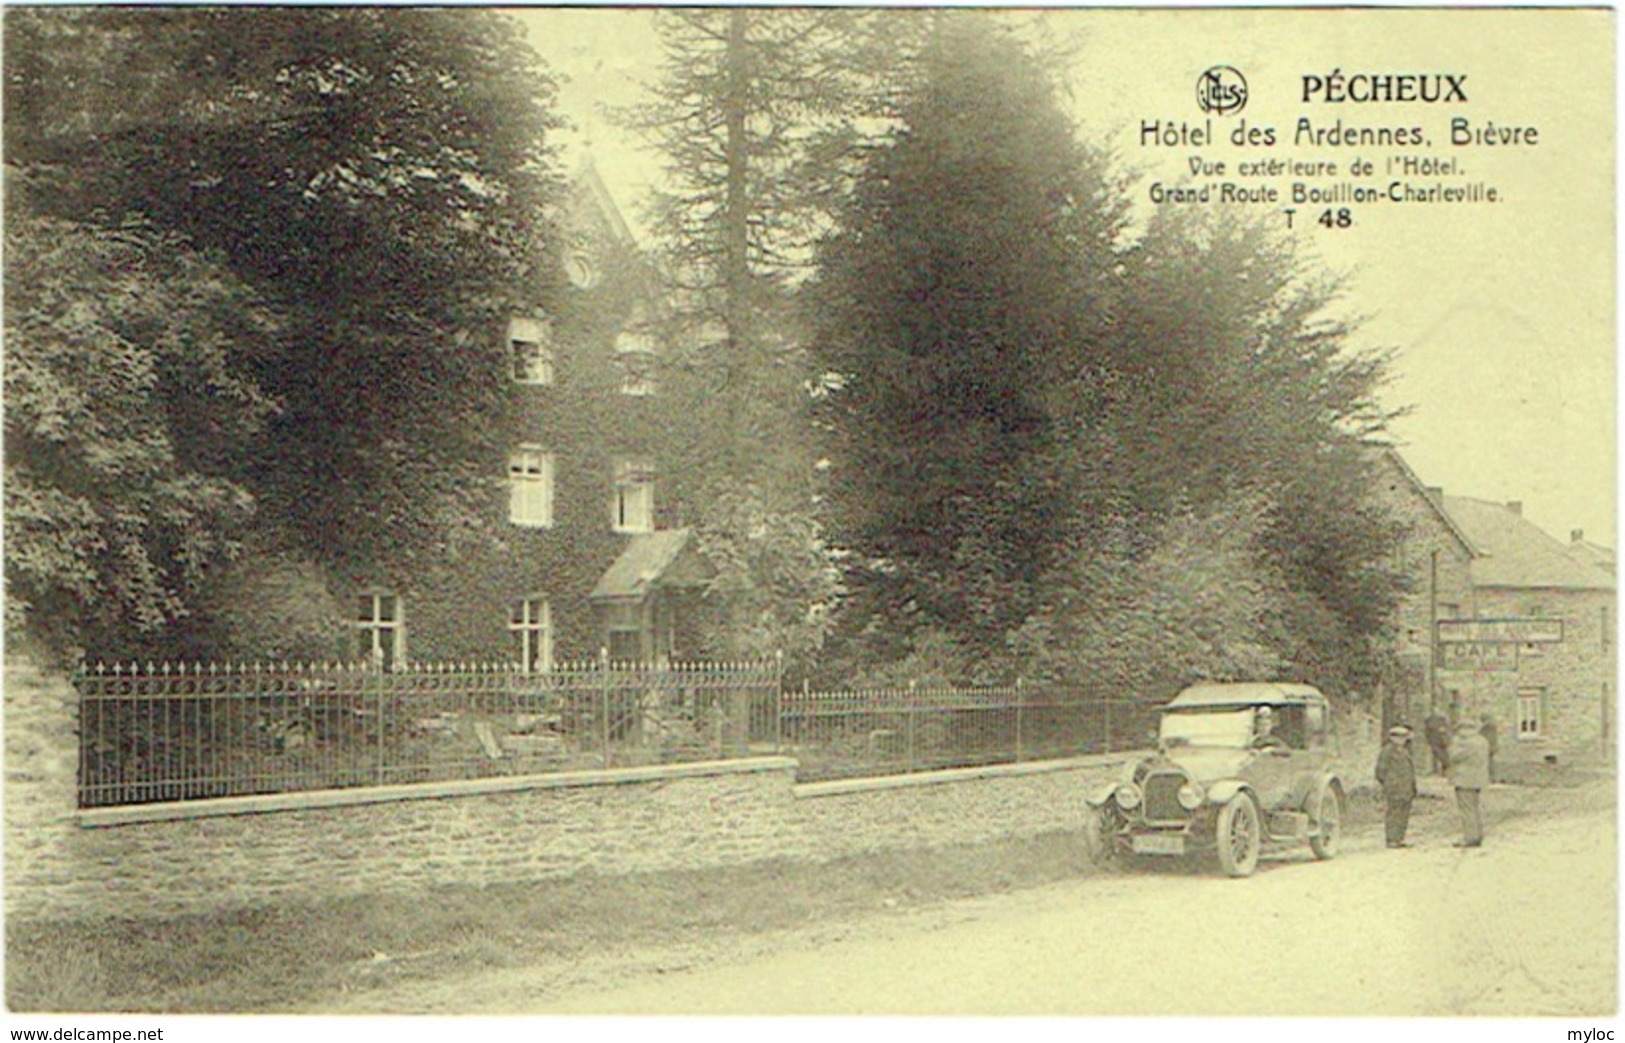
(900, 912)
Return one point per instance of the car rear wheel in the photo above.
(1239, 836)
(1330, 816)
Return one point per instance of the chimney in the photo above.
(1516, 507)
(1577, 535)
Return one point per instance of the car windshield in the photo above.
(1227, 727)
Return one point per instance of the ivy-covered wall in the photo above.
(461, 609)
(585, 421)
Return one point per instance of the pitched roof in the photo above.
(590, 194)
(1594, 554)
(645, 564)
(1514, 552)
(1430, 497)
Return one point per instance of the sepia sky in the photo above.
(1502, 314)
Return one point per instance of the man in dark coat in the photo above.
(1437, 730)
(1486, 728)
(1396, 774)
(1470, 774)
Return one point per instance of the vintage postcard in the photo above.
(1079, 513)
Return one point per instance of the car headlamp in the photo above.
(1191, 796)
(1128, 796)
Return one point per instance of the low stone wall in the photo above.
(41, 713)
(425, 841)
(162, 860)
(962, 806)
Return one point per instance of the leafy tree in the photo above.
(380, 176)
(1244, 382)
(776, 585)
(378, 180)
(1129, 457)
(1234, 410)
(1233, 367)
(125, 395)
(949, 311)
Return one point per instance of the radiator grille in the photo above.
(1162, 798)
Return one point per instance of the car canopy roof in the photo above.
(1252, 693)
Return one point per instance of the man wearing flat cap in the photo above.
(1396, 774)
(1470, 774)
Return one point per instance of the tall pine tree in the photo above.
(759, 115)
(762, 116)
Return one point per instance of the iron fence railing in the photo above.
(850, 733)
(185, 732)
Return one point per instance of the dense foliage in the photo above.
(125, 395)
(947, 310)
(776, 583)
(375, 179)
(1065, 443)
(258, 261)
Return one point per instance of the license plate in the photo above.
(1159, 844)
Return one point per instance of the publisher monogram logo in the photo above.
(1221, 91)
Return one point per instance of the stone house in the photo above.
(1536, 650)
(577, 498)
(1503, 620)
(1437, 555)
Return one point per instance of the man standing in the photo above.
(1470, 774)
(1437, 730)
(1487, 729)
(1396, 773)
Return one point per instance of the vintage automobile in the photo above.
(1238, 769)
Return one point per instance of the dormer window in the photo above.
(530, 346)
(635, 355)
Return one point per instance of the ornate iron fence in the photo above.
(190, 731)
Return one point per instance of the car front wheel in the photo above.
(1239, 836)
(1097, 840)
